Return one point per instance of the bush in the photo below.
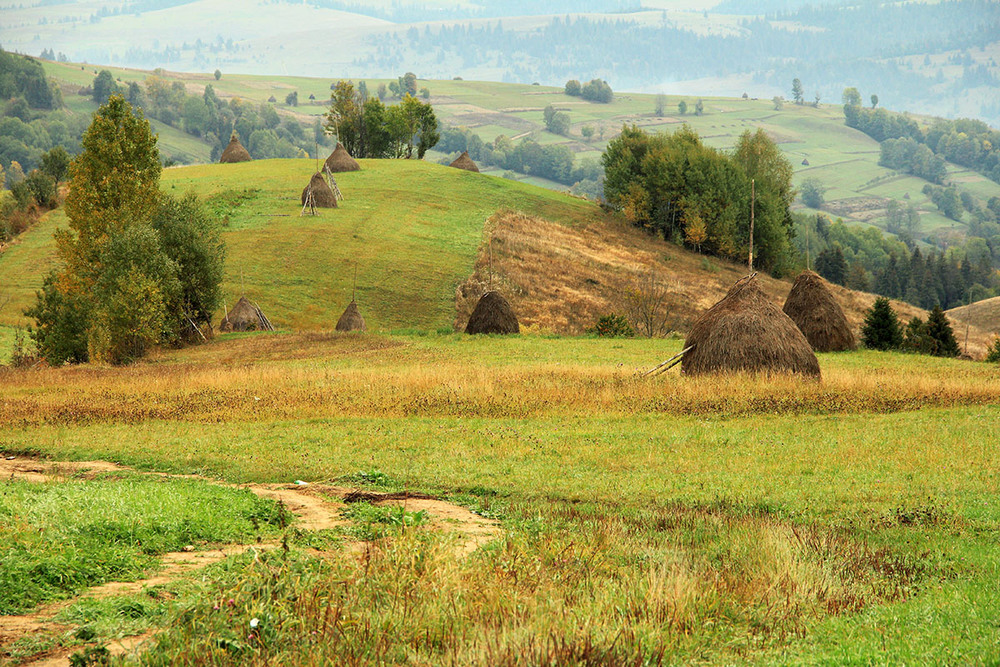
(613, 326)
(993, 352)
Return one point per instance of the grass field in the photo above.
(714, 520)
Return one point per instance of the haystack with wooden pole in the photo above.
(819, 317)
(234, 151)
(245, 316)
(340, 160)
(322, 194)
(351, 320)
(465, 162)
(746, 332)
(493, 315)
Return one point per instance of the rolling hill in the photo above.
(415, 232)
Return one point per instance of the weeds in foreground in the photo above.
(568, 584)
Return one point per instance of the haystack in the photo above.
(812, 307)
(351, 320)
(234, 151)
(340, 160)
(323, 196)
(465, 162)
(245, 316)
(746, 332)
(493, 314)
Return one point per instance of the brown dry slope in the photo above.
(560, 278)
(984, 315)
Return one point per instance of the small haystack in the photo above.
(746, 332)
(493, 315)
(234, 151)
(465, 162)
(805, 162)
(351, 320)
(812, 307)
(323, 196)
(245, 316)
(340, 160)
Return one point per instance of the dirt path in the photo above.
(315, 506)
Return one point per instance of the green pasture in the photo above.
(410, 229)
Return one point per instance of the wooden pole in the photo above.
(753, 201)
(674, 358)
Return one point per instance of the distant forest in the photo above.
(846, 46)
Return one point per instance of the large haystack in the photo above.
(746, 332)
(245, 316)
(323, 196)
(493, 315)
(465, 162)
(351, 320)
(234, 151)
(818, 315)
(340, 160)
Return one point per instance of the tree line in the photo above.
(694, 194)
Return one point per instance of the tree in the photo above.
(916, 339)
(779, 102)
(572, 88)
(881, 329)
(292, 98)
(587, 131)
(831, 264)
(126, 282)
(699, 108)
(218, 74)
(556, 122)
(797, 91)
(55, 163)
(812, 193)
(851, 97)
(940, 331)
(816, 101)
(104, 86)
(682, 107)
(661, 105)
(993, 351)
(696, 232)
(874, 99)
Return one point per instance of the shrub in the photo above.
(613, 326)
(993, 351)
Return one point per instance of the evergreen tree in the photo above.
(881, 330)
(940, 331)
(916, 338)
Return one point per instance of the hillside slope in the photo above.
(983, 314)
(563, 279)
(410, 228)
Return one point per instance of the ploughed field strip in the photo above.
(315, 507)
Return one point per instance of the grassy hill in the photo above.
(983, 314)
(410, 228)
(414, 231)
(843, 159)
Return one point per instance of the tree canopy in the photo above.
(369, 129)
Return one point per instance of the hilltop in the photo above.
(414, 231)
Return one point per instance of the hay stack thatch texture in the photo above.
(351, 320)
(323, 196)
(245, 316)
(812, 307)
(465, 162)
(234, 151)
(493, 314)
(746, 332)
(340, 160)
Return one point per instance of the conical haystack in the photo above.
(245, 316)
(323, 196)
(465, 162)
(351, 320)
(819, 317)
(340, 160)
(746, 332)
(493, 314)
(234, 151)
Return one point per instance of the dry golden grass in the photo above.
(984, 315)
(562, 278)
(286, 376)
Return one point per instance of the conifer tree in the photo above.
(881, 330)
(940, 331)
